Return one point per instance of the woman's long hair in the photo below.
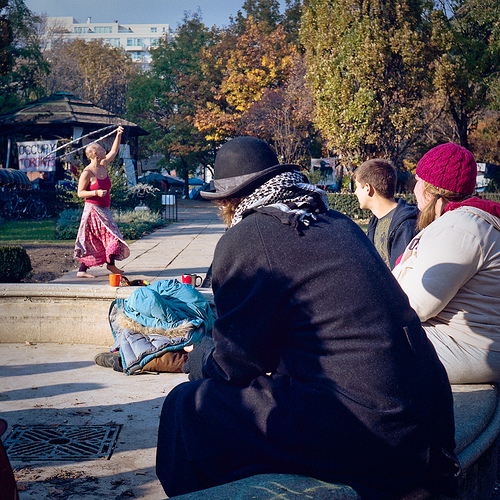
(228, 208)
(428, 214)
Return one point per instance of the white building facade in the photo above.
(135, 39)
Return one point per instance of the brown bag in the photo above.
(171, 361)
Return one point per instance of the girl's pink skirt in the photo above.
(99, 237)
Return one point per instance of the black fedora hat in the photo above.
(241, 165)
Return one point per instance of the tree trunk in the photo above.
(461, 121)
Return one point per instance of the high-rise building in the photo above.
(136, 39)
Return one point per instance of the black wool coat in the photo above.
(320, 368)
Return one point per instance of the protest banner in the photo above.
(37, 156)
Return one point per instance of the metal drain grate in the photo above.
(62, 442)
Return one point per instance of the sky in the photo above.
(213, 12)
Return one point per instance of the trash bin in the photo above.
(170, 203)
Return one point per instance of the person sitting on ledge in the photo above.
(393, 223)
(320, 367)
(451, 269)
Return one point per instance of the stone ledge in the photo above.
(477, 422)
(60, 313)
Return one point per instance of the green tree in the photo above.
(91, 70)
(266, 13)
(143, 90)
(6, 39)
(24, 65)
(368, 67)
(292, 19)
(164, 99)
(467, 33)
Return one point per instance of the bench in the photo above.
(477, 426)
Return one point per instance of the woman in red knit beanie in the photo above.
(451, 269)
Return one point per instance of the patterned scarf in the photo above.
(287, 196)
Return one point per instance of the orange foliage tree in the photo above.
(242, 69)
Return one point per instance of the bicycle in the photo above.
(18, 205)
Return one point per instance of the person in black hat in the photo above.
(319, 366)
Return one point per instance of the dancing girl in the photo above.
(99, 240)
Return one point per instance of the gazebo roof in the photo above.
(56, 116)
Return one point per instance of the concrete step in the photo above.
(60, 313)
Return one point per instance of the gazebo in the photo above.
(61, 116)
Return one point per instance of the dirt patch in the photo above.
(50, 261)
(69, 484)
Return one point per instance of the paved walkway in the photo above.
(60, 385)
(183, 247)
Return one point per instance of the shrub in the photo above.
(15, 264)
(490, 196)
(132, 224)
(68, 223)
(408, 197)
(146, 194)
(347, 204)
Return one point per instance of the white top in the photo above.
(451, 274)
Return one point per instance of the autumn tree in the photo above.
(484, 140)
(6, 38)
(283, 116)
(242, 68)
(467, 33)
(164, 99)
(65, 73)
(22, 61)
(368, 67)
(91, 70)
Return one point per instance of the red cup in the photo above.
(114, 279)
(186, 278)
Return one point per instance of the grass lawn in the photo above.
(17, 232)
(34, 232)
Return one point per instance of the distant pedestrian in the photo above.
(99, 240)
(393, 224)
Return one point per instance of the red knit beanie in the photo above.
(449, 166)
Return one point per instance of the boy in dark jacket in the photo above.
(393, 224)
(319, 366)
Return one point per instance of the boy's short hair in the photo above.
(380, 174)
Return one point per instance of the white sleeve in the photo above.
(445, 258)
